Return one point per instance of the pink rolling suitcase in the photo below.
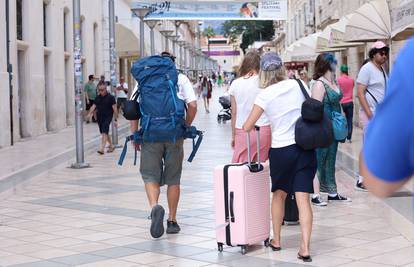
(242, 202)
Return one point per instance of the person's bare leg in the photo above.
(278, 211)
(173, 196)
(306, 219)
(103, 143)
(110, 145)
(205, 102)
(153, 193)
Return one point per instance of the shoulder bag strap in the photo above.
(302, 88)
(385, 79)
(373, 97)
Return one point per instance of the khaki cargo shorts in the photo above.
(162, 163)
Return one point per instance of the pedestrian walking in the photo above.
(90, 95)
(205, 88)
(121, 94)
(387, 162)
(371, 84)
(106, 110)
(219, 81)
(347, 84)
(243, 92)
(292, 168)
(161, 161)
(326, 90)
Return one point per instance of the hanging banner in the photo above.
(213, 10)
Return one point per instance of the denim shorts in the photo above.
(162, 162)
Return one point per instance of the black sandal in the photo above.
(305, 258)
(273, 247)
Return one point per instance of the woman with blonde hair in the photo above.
(292, 168)
(242, 92)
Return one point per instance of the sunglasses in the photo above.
(383, 53)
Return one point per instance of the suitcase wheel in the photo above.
(220, 247)
(243, 250)
(267, 243)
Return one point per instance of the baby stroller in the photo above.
(224, 114)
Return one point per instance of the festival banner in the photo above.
(213, 10)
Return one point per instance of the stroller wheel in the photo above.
(218, 120)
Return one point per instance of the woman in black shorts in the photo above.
(292, 169)
(105, 106)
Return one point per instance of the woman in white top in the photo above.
(243, 92)
(292, 168)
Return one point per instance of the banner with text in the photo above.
(213, 10)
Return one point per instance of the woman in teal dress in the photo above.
(327, 90)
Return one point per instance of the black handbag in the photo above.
(131, 108)
(313, 129)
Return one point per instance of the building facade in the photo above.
(41, 47)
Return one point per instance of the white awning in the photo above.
(403, 21)
(370, 22)
(303, 50)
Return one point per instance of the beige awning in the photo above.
(370, 22)
(403, 21)
(324, 41)
(303, 50)
(338, 34)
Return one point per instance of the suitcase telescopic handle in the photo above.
(249, 155)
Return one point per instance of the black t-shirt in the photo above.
(104, 105)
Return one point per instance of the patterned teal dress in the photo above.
(327, 156)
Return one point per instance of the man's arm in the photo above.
(191, 112)
(361, 91)
(375, 185)
(115, 109)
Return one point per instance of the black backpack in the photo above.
(313, 129)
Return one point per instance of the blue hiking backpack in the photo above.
(162, 111)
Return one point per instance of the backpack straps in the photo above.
(196, 145)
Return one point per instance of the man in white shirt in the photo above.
(372, 81)
(121, 93)
(161, 163)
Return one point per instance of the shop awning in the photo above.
(338, 34)
(370, 22)
(403, 21)
(324, 41)
(302, 50)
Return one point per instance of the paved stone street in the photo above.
(99, 217)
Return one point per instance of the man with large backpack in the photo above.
(166, 100)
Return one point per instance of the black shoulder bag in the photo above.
(131, 108)
(313, 129)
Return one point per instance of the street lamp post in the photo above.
(151, 24)
(141, 13)
(181, 44)
(112, 56)
(166, 33)
(174, 39)
(80, 159)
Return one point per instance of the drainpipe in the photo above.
(10, 71)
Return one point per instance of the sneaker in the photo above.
(157, 219)
(360, 186)
(173, 227)
(338, 197)
(317, 201)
